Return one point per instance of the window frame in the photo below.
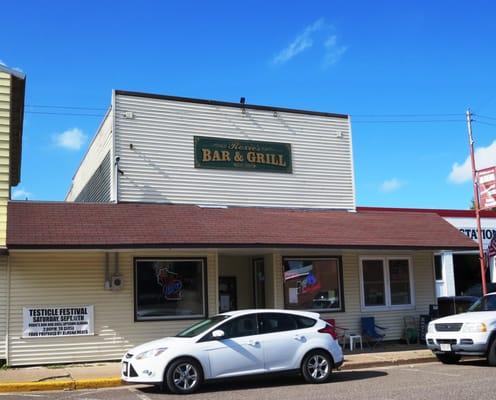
(387, 283)
(204, 267)
(340, 283)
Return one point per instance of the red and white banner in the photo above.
(486, 179)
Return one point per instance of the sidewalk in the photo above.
(98, 375)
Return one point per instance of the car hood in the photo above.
(476, 316)
(154, 344)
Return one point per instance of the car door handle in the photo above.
(254, 343)
(299, 337)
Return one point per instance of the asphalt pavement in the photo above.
(468, 380)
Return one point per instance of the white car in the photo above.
(235, 344)
(469, 334)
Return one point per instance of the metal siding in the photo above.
(392, 319)
(160, 167)
(3, 305)
(5, 90)
(97, 151)
(46, 278)
(97, 189)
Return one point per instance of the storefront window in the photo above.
(386, 282)
(169, 289)
(312, 284)
(373, 283)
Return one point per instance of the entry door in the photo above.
(259, 282)
(240, 352)
(228, 299)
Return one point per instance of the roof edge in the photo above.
(228, 104)
(230, 245)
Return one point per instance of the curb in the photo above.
(60, 385)
(387, 363)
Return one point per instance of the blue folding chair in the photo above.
(372, 332)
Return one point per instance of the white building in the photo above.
(182, 208)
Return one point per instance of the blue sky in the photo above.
(406, 72)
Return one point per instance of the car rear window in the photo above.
(304, 322)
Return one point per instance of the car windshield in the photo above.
(201, 326)
(486, 303)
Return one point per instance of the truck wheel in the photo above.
(491, 355)
(448, 358)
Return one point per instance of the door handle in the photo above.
(254, 343)
(298, 337)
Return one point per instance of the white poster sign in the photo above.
(52, 321)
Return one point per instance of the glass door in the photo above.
(259, 282)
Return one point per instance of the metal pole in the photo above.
(476, 202)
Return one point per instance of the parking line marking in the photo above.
(429, 372)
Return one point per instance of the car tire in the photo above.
(317, 367)
(491, 354)
(184, 376)
(448, 358)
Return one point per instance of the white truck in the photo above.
(469, 334)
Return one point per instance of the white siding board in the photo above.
(3, 305)
(98, 149)
(160, 167)
(77, 279)
(392, 319)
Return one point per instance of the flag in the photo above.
(491, 250)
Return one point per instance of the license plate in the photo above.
(124, 368)
(445, 347)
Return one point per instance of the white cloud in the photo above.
(20, 194)
(2, 63)
(302, 42)
(71, 139)
(333, 51)
(484, 157)
(391, 185)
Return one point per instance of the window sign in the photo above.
(169, 288)
(248, 155)
(312, 284)
(51, 321)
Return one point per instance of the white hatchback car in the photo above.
(234, 344)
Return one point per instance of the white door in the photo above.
(240, 352)
(281, 338)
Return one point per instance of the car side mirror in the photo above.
(218, 334)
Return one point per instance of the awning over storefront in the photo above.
(53, 225)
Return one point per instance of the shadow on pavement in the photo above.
(271, 381)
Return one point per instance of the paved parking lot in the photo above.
(470, 380)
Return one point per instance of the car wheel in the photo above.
(448, 358)
(317, 367)
(491, 355)
(184, 376)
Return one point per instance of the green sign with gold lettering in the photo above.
(211, 152)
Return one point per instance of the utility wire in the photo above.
(62, 113)
(65, 107)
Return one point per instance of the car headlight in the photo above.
(430, 328)
(474, 327)
(151, 353)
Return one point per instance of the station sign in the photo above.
(220, 153)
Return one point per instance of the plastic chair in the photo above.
(337, 331)
(410, 333)
(370, 331)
